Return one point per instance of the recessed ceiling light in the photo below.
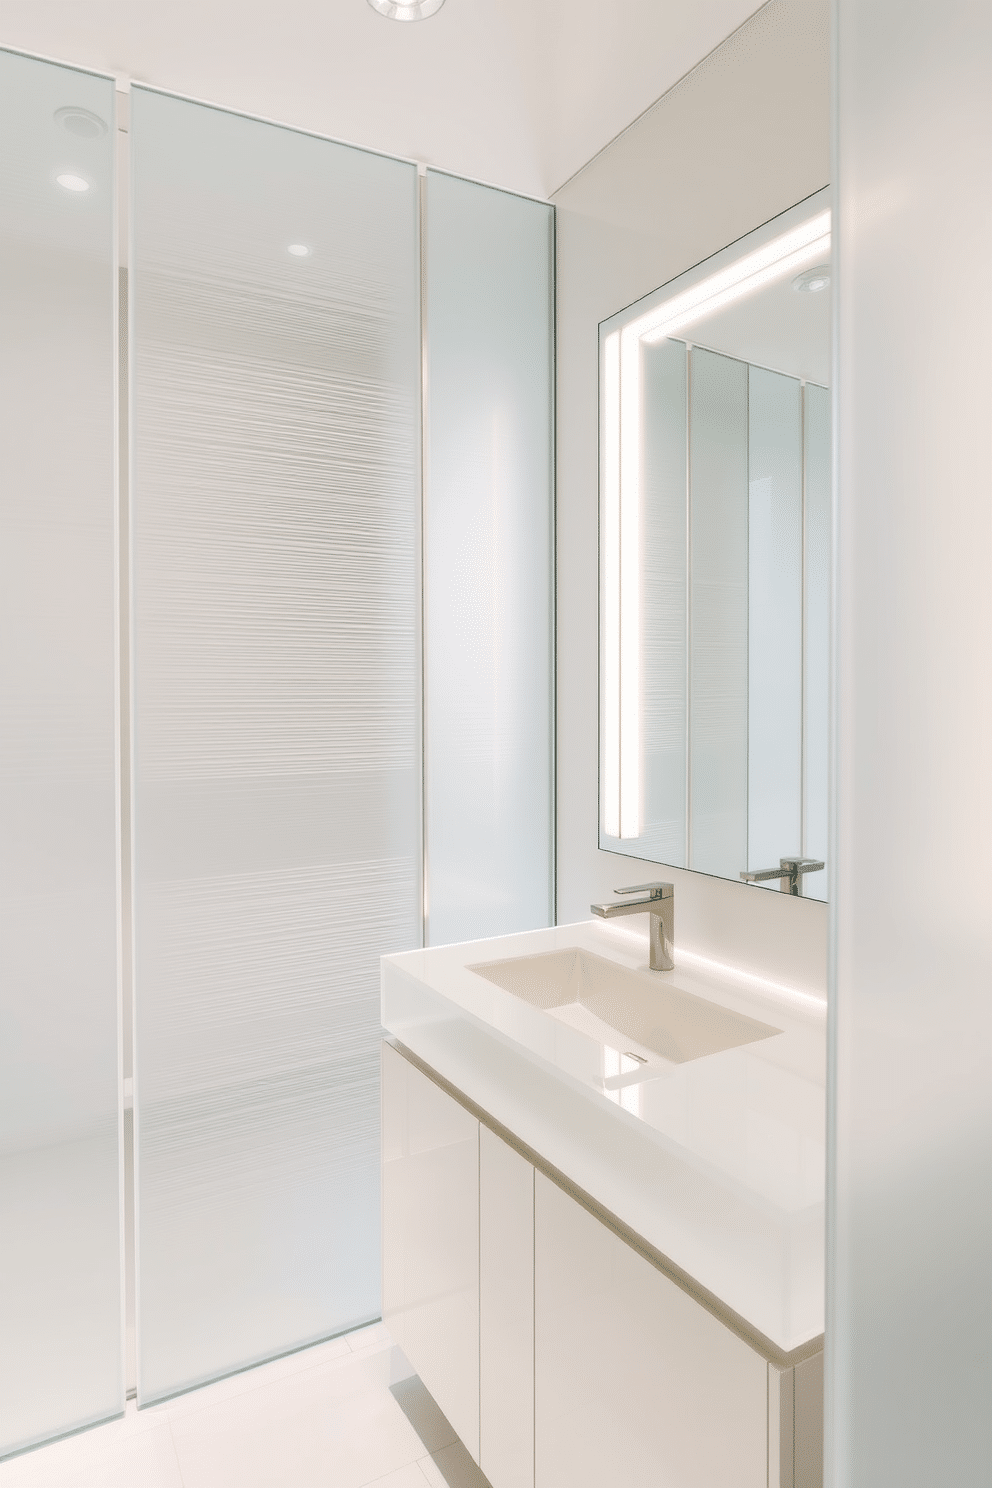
(406, 10)
(72, 183)
(80, 122)
(298, 250)
(812, 281)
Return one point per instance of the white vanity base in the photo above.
(562, 1349)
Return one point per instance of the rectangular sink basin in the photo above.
(638, 1013)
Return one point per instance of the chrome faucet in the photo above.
(659, 905)
(790, 872)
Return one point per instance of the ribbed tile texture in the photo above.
(61, 1360)
(276, 703)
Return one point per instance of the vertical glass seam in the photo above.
(131, 401)
(120, 704)
(600, 805)
(802, 617)
(553, 565)
(747, 617)
(421, 547)
(688, 603)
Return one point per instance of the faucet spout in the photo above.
(658, 902)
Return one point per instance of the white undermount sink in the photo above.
(640, 1015)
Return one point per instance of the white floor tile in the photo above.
(330, 1426)
(349, 1413)
(385, 1366)
(423, 1413)
(118, 1455)
(290, 1365)
(375, 1333)
(404, 1477)
(452, 1467)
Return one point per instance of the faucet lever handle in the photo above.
(790, 871)
(656, 890)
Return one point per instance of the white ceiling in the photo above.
(773, 327)
(520, 93)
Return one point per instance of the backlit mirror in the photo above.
(714, 562)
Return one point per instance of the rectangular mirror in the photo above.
(714, 562)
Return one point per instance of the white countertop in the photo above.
(718, 1163)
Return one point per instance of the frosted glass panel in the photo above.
(775, 637)
(817, 631)
(276, 761)
(488, 561)
(61, 1352)
(718, 613)
(908, 1361)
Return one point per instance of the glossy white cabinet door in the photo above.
(634, 1382)
(506, 1314)
(430, 1238)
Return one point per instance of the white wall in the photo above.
(739, 140)
(909, 1319)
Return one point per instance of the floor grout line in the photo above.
(175, 1452)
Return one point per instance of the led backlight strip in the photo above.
(612, 608)
(621, 453)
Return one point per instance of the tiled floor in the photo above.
(344, 1414)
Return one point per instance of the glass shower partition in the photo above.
(61, 1327)
(275, 356)
(488, 560)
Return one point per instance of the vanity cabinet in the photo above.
(506, 1313)
(562, 1355)
(430, 1238)
(634, 1381)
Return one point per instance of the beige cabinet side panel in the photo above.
(781, 1419)
(809, 1423)
(430, 1185)
(634, 1381)
(506, 1314)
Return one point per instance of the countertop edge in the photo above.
(732, 1320)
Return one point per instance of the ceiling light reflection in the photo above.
(406, 10)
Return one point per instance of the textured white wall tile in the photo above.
(276, 706)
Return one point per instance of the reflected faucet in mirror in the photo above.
(659, 904)
(790, 871)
